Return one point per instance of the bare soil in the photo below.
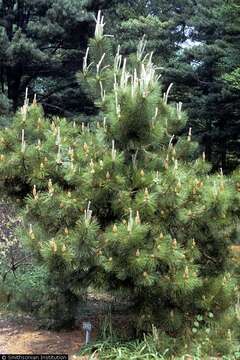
(21, 336)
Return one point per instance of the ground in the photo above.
(21, 336)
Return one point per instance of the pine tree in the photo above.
(124, 204)
(213, 105)
(164, 24)
(197, 46)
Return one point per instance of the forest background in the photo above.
(195, 44)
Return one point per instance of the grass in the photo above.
(130, 351)
(159, 346)
(138, 350)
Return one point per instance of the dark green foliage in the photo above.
(25, 288)
(41, 47)
(163, 22)
(5, 106)
(216, 28)
(31, 289)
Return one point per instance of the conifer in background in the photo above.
(124, 204)
(41, 47)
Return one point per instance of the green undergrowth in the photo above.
(147, 349)
(206, 342)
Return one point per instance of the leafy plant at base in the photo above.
(12, 254)
(125, 204)
(158, 345)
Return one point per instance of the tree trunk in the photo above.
(208, 141)
(2, 79)
(224, 153)
(14, 75)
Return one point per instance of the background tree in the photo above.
(42, 45)
(212, 103)
(163, 23)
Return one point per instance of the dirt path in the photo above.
(23, 337)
